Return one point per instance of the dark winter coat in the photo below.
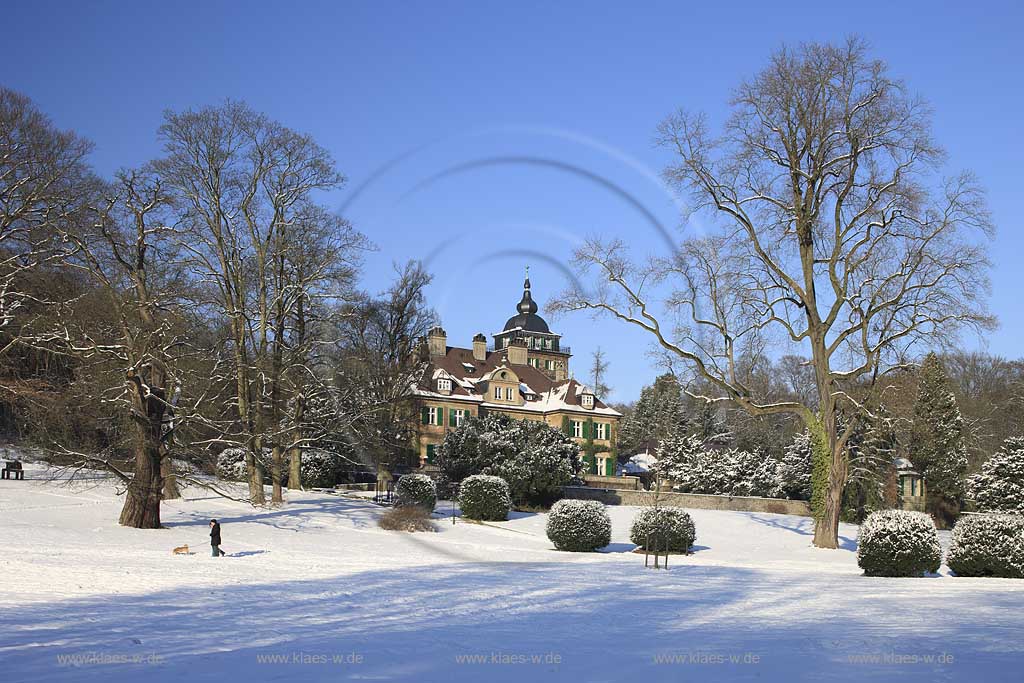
(215, 534)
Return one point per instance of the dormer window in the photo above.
(497, 393)
(587, 400)
(444, 386)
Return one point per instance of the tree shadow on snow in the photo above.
(618, 548)
(295, 516)
(604, 621)
(798, 525)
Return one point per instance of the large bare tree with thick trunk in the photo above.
(833, 237)
(123, 246)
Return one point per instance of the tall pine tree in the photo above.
(659, 415)
(937, 441)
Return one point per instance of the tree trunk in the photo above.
(170, 490)
(255, 472)
(277, 469)
(295, 469)
(826, 529)
(142, 499)
(295, 452)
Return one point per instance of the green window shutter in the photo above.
(440, 416)
(425, 415)
(430, 453)
(452, 417)
(586, 430)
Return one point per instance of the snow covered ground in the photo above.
(316, 591)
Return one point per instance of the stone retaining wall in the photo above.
(694, 501)
(603, 482)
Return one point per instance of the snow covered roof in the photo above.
(639, 463)
(904, 466)
(540, 393)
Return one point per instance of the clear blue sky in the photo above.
(559, 102)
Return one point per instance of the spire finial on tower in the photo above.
(527, 304)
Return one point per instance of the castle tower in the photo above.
(544, 348)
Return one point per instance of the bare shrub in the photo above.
(407, 518)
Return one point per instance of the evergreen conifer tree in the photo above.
(936, 445)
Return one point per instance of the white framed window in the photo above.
(549, 364)
(602, 430)
(497, 393)
(547, 343)
(577, 429)
(444, 385)
(436, 415)
(588, 400)
(508, 393)
(458, 417)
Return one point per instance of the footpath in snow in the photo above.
(314, 590)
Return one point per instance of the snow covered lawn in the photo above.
(316, 591)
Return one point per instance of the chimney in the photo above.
(517, 352)
(561, 372)
(437, 342)
(480, 347)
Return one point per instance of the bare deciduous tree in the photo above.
(378, 353)
(246, 182)
(123, 245)
(836, 240)
(43, 176)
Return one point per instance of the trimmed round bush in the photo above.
(667, 529)
(988, 545)
(415, 489)
(485, 497)
(999, 487)
(898, 543)
(579, 525)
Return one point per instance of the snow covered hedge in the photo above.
(321, 468)
(667, 529)
(988, 545)
(693, 468)
(999, 487)
(231, 463)
(579, 525)
(415, 490)
(484, 497)
(898, 543)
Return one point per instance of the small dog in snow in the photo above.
(183, 550)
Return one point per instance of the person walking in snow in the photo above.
(215, 538)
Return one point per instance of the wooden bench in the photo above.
(13, 467)
(13, 470)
